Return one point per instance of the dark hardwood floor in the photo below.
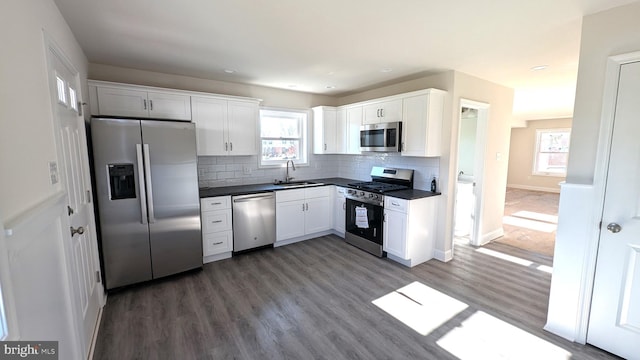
(313, 300)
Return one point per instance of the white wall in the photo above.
(604, 34)
(26, 128)
(522, 153)
(494, 181)
(40, 288)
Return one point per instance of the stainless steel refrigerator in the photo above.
(148, 202)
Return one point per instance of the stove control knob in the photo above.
(362, 193)
(372, 196)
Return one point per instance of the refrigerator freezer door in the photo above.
(124, 232)
(174, 206)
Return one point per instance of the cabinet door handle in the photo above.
(230, 146)
(216, 203)
(226, 146)
(381, 112)
(151, 105)
(344, 206)
(217, 243)
(325, 147)
(144, 103)
(216, 221)
(307, 206)
(302, 207)
(384, 217)
(395, 203)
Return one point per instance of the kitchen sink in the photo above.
(298, 184)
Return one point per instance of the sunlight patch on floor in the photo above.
(531, 215)
(482, 336)
(515, 260)
(420, 307)
(529, 224)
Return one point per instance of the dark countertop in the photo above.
(411, 194)
(258, 188)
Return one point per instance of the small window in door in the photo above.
(73, 101)
(62, 95)
(552, 152)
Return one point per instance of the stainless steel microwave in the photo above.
(384, 137)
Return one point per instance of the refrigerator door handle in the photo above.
(143, 194)
(147, 170)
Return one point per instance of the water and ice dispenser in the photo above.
(122, 184)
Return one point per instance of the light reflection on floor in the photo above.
(482, 336)
(515, 260)
(478, 336)
(420, 307)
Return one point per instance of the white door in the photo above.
(81, 248)
(614, 322)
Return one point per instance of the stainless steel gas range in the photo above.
(365, 207)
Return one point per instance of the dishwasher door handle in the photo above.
(253, 198)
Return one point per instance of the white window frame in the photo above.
(304, 138)
(539, 134)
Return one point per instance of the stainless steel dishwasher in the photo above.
(254, 220)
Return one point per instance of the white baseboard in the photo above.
(302, 238)
(534, 188)
(444, 256)
(216, 257)
(486, 238)
(94, 338)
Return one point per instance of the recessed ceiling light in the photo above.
(330, 87)
(539, 67)
(330, 73)
(386, 70)
(230, 71)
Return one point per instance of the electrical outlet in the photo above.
(246, 170)
(53, 172)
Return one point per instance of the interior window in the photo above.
(283, 137)
(552, 152)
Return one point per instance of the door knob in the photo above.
(79, 230)
(614, 228)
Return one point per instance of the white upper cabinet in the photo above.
(141, 103)
(384, 111)
(336, 130)
(225, 127)
(422, 124)
(352, 124)
(324, 130)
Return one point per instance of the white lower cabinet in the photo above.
(409, 229)
(302, 213)
(340, 207)
(217, 228)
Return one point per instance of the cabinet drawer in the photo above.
(218, 220)
(215, 203)
(316, 192)
(289, 195)
(395, 204)
(216, 243)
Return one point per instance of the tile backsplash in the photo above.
(214, 171)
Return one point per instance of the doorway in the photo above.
(472, 131)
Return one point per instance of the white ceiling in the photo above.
(307, 45)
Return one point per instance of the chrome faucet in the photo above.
(293, 167)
